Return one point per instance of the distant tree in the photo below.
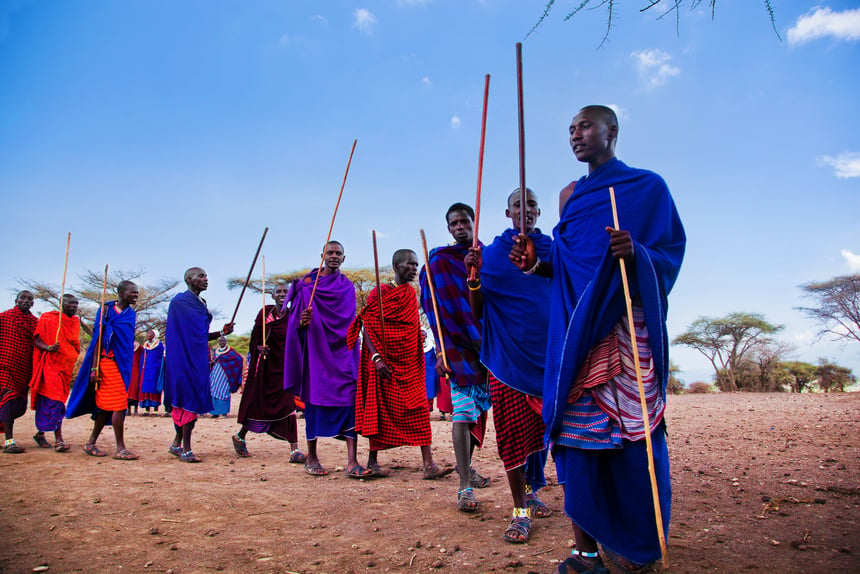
(675, 386)
(836, 306)
(364, 279)
(801, 374)
(832, 377)
(671, 7)
(699, 388)
(151, 306)
(727, 341)
(770, 377)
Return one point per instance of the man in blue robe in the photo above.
(591, 405)
(514, 311)
(186, 362)
(101, 388)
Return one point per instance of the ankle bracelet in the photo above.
(576, 552)
(522, 513)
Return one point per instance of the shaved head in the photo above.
(605, 113)
(400, 256)
(191, 272)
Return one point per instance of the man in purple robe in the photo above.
(318, 365)
(186, 362)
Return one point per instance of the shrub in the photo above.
(699, 388)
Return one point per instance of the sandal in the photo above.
(188, 456)
(297, 457)
(61, 446)
(239, 446)
(466, 501)
(434, 471)
(475, 479)
(520, 527)
(175, 450)
(376, 471)
(125, 454)
(40, 440)
(538, 507)
(315, 469)
(359, 471)
(93, 450)
(575, 564)
(13, 447)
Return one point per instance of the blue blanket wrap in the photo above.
(607, 491)
(118, 336)
(186, 358)
(516, 315)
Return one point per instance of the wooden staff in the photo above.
(101, 322)
(248, 279)
(379, 296)
(645, 418)
(433, 299)
(522, 138)
(63, 288)
(473, 274)
(263, 262)
(331, 226)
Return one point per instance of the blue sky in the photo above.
(166, 135)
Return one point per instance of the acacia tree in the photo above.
(727, 341)
(801, 374)
(832, 377)
(836, 306)
(668, 7)
(150, 308)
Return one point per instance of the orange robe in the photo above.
(52, 372)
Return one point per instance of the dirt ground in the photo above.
(762, 482)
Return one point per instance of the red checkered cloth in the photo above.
(393, 413)
(518, 422)
(16, 352)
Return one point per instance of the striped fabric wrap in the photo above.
(111, 395)
(603, 406)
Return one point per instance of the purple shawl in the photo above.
(318, 365)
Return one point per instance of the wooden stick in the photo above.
(474, 272)
(522, 137)
(379, 296)
(63, 288)
(331, 226)
(248, 278)
(645, 418)
(264, 301)
(433, 299)
(101, 322)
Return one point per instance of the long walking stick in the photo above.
(250, 271)
(63, 288)
(379, 296)
(645, 418)
(522, 137)
(433, 299)
(101, 322)
(331, 226)
(474, 272)
(263, 262)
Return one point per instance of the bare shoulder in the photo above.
(564, 195)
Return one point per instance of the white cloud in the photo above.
(425, 81)
(852, 259)
(619, 111)
(365, 21)
(318, 18)
(654, 67)
(846, 165)
(455, 122)
(822, 22)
